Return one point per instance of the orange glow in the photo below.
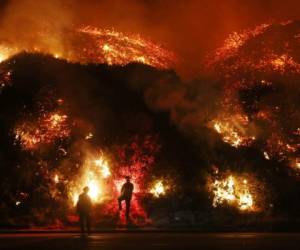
(233, 130)
(295, 164)
(234, 191)
(92, 45)
(235, 41)
(6, 52)
(93, 174)
(158, 189)
(114, 47)
(91, 180)
(45, 130)
(89, 136)
(56, 178)
(103, 165)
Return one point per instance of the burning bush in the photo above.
(45, 130)
(240, 191)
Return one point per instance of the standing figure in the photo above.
(84, 208)
(126, 194)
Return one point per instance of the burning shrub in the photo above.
(45, 130)
(241, 191)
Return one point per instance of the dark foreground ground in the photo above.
(148, 240)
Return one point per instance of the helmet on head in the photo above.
(127, 178)
(86, 189)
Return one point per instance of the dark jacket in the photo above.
(127, 190)
(84, 204)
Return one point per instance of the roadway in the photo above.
(150, 240)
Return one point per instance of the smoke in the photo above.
(99, 101)
(28, 23)
(189, 28)
(190, 105)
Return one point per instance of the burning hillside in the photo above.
(260, 71)
(67, 124)
(60, 146)
(92, 45)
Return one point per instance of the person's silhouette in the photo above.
(84, 207)
(126, 194)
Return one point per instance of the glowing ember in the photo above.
(5, 77)
(89, 136)
(47, 129)
(233, 131)
(56, 179)
(295, 164)
(258, 70)
(234, 191)
(278, 148)
(235, 41)
(54, 120)
(158, 189)
(266, 155)
(298, 163)
(114, 47)
(92, 45)
(285, 61)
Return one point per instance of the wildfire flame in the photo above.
(158, 189)
(103, 166)
(93, 174)
(92, 45)
(234, 192)
(255, 67)
(89, 136)
(295, 163)
(233, 130)
(48, 127)
(114, 47)
(6, 52)
(235, 41)
(91, 180)
(56, 178)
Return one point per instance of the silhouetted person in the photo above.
(126, 195)
(84, 207)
